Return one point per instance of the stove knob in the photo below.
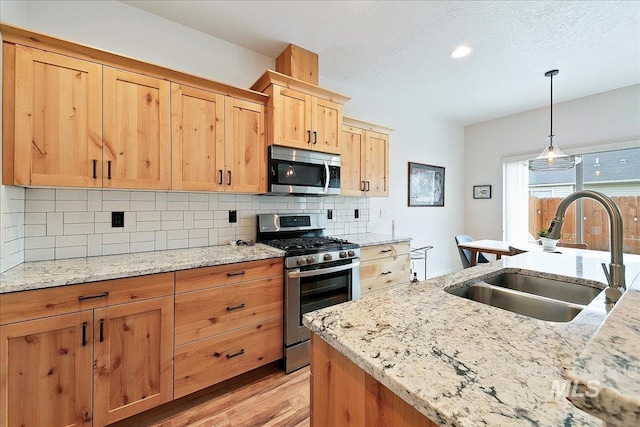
(343, 254)
(327, 257)
(351, 253)
(300, 260)
(311, 259)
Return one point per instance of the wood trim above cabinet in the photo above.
(350, 121)
(26, 37)
(272, 77)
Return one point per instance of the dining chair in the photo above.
(465, 254)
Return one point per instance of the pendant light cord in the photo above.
(551, 104)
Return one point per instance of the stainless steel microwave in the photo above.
(295, 171)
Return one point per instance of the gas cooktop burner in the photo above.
(320, 243)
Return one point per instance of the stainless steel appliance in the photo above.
(294, 171)
(319, 272)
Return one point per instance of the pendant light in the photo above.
(552, 158)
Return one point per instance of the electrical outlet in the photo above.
(329, 214)
(356, 213)
(117, 219)
(233, 216)
(384, 213)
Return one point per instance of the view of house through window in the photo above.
(613, 173)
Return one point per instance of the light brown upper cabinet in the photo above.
(301, 115)
(364, 160)
(198, 139)
(218, 142)
(245, 154)
(137, 133)
(74, 116)
(52, 119)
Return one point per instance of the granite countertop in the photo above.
(371, 239)
(47, 274)
(462, 363)
(608, 369)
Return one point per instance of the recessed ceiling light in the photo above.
(461, 52)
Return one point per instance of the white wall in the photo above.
(124, 30)
(593, 120)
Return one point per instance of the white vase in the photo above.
(548, 244)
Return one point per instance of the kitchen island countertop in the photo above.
(462, 363)
(48, 274)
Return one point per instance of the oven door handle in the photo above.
(327, 176)
(297, 273)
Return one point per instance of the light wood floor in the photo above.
(264, 397)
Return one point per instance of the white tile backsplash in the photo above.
(43, 224)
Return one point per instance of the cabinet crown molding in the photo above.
(22, 36)
(350, 121)
(273, 77)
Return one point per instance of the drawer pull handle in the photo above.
(84, 297)
(84, 334)
(237, 307)
(241, 352)
(228, 177)
(308, 137)
(101, 330)
(315, 137)
(95, 167)
(364, 185)
(239, 273)
(386, 250)
(220, 176)
(385, 273)
(108, 169)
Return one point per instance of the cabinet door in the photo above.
(377, 163)
(245, 154)
(58, 120)
(45, 372)
(133, 368)
(137, 134)
(352, 161)
(291, 118)
(327, 126)
(198, 139)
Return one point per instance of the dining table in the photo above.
(496, 247)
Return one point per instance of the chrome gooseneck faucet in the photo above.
(615, 274)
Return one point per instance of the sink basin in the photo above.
(550, 288)
(537, 297)
(519, 302)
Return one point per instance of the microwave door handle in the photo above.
(327, 176)
(319, 272)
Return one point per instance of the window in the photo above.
(613, 173)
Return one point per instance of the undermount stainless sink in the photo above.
(540, 298)
(550, 288)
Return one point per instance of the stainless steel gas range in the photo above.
(319, 272)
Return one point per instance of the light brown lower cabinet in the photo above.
(110, 350)
(383, 266)
(342, 394)
(228, 321)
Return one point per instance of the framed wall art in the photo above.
(426, 185)
(481, 191)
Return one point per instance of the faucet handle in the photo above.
(606, 273)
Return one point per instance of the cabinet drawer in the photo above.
(37, 303)
(208, 277)
(201, 314)
(381, 251)
(212, 360)
(382, 273)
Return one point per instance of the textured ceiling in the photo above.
(401, 49)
